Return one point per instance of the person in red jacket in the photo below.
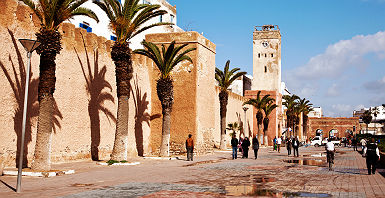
(190, 147)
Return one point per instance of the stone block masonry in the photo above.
(196, 108)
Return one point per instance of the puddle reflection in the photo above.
(246, 190)
(308, 162)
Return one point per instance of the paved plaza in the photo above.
(216, 175)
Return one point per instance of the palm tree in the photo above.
(367, 118)
(259, 103)
(51, 14)
(225, 78)
(126, 21)
(166, 60)
(290, 102)
(267, 108)
(234, 127)
(305, 107)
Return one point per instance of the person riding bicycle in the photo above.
(330, 149)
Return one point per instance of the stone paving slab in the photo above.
(215, 175)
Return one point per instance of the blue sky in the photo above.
(333, 51)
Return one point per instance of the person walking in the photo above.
(245, 147)
(363, 144)
(330, 150)
(275, 143)
(372, 156)
(234, 145)
(354, 144)
(255, 146)
(295, 146)
(288, 145)
(190, 147)
(279, 142)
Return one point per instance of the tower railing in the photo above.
(267, 28)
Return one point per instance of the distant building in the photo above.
(316, 113)
(267, 76)
(380, 117)
(241, 84)
(102, 28)
(376, 126)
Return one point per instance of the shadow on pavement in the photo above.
(10, 187)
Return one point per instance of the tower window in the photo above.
(259, 55)
(272, 55)
(265, 69)
(161, 18)
(265, 55)
(172, 18)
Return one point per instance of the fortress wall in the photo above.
(72, 137)
(193, 97)
(234, 113)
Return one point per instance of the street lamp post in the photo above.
(245, 124)
(29, 46)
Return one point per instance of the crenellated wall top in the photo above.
(181, 37)
(16, 16)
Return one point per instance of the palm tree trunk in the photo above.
(166, 124)
(119, 151)
(42, 155)
(50, 46)
(223, 100)
(121, 55)
(165, 91)
(265, 138)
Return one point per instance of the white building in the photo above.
(102, 29)
(380, 113)
(315, 113)
(241, 84)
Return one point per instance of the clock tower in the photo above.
(266, 58)
(267, 78)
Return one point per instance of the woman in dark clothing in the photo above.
(288, 145)
(255, 146)
(245, 147)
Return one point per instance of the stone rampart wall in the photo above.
(72, 135)
(234, 113)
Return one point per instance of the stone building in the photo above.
(101, 28)
(339, 127)
(196, 107)
(267, 74)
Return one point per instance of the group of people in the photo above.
(370, 151)
(244, 145)
(292, 143)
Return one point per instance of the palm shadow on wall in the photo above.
(141, 115)
(96, 84)
(17, 83)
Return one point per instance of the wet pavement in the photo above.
(217, 175)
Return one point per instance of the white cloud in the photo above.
(342, 55)
(378, 85)
(338, 110)
(333, 74)
(333, 91)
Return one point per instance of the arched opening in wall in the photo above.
(265, 69)
(333, 133)
(259, 55)
(265, 55)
